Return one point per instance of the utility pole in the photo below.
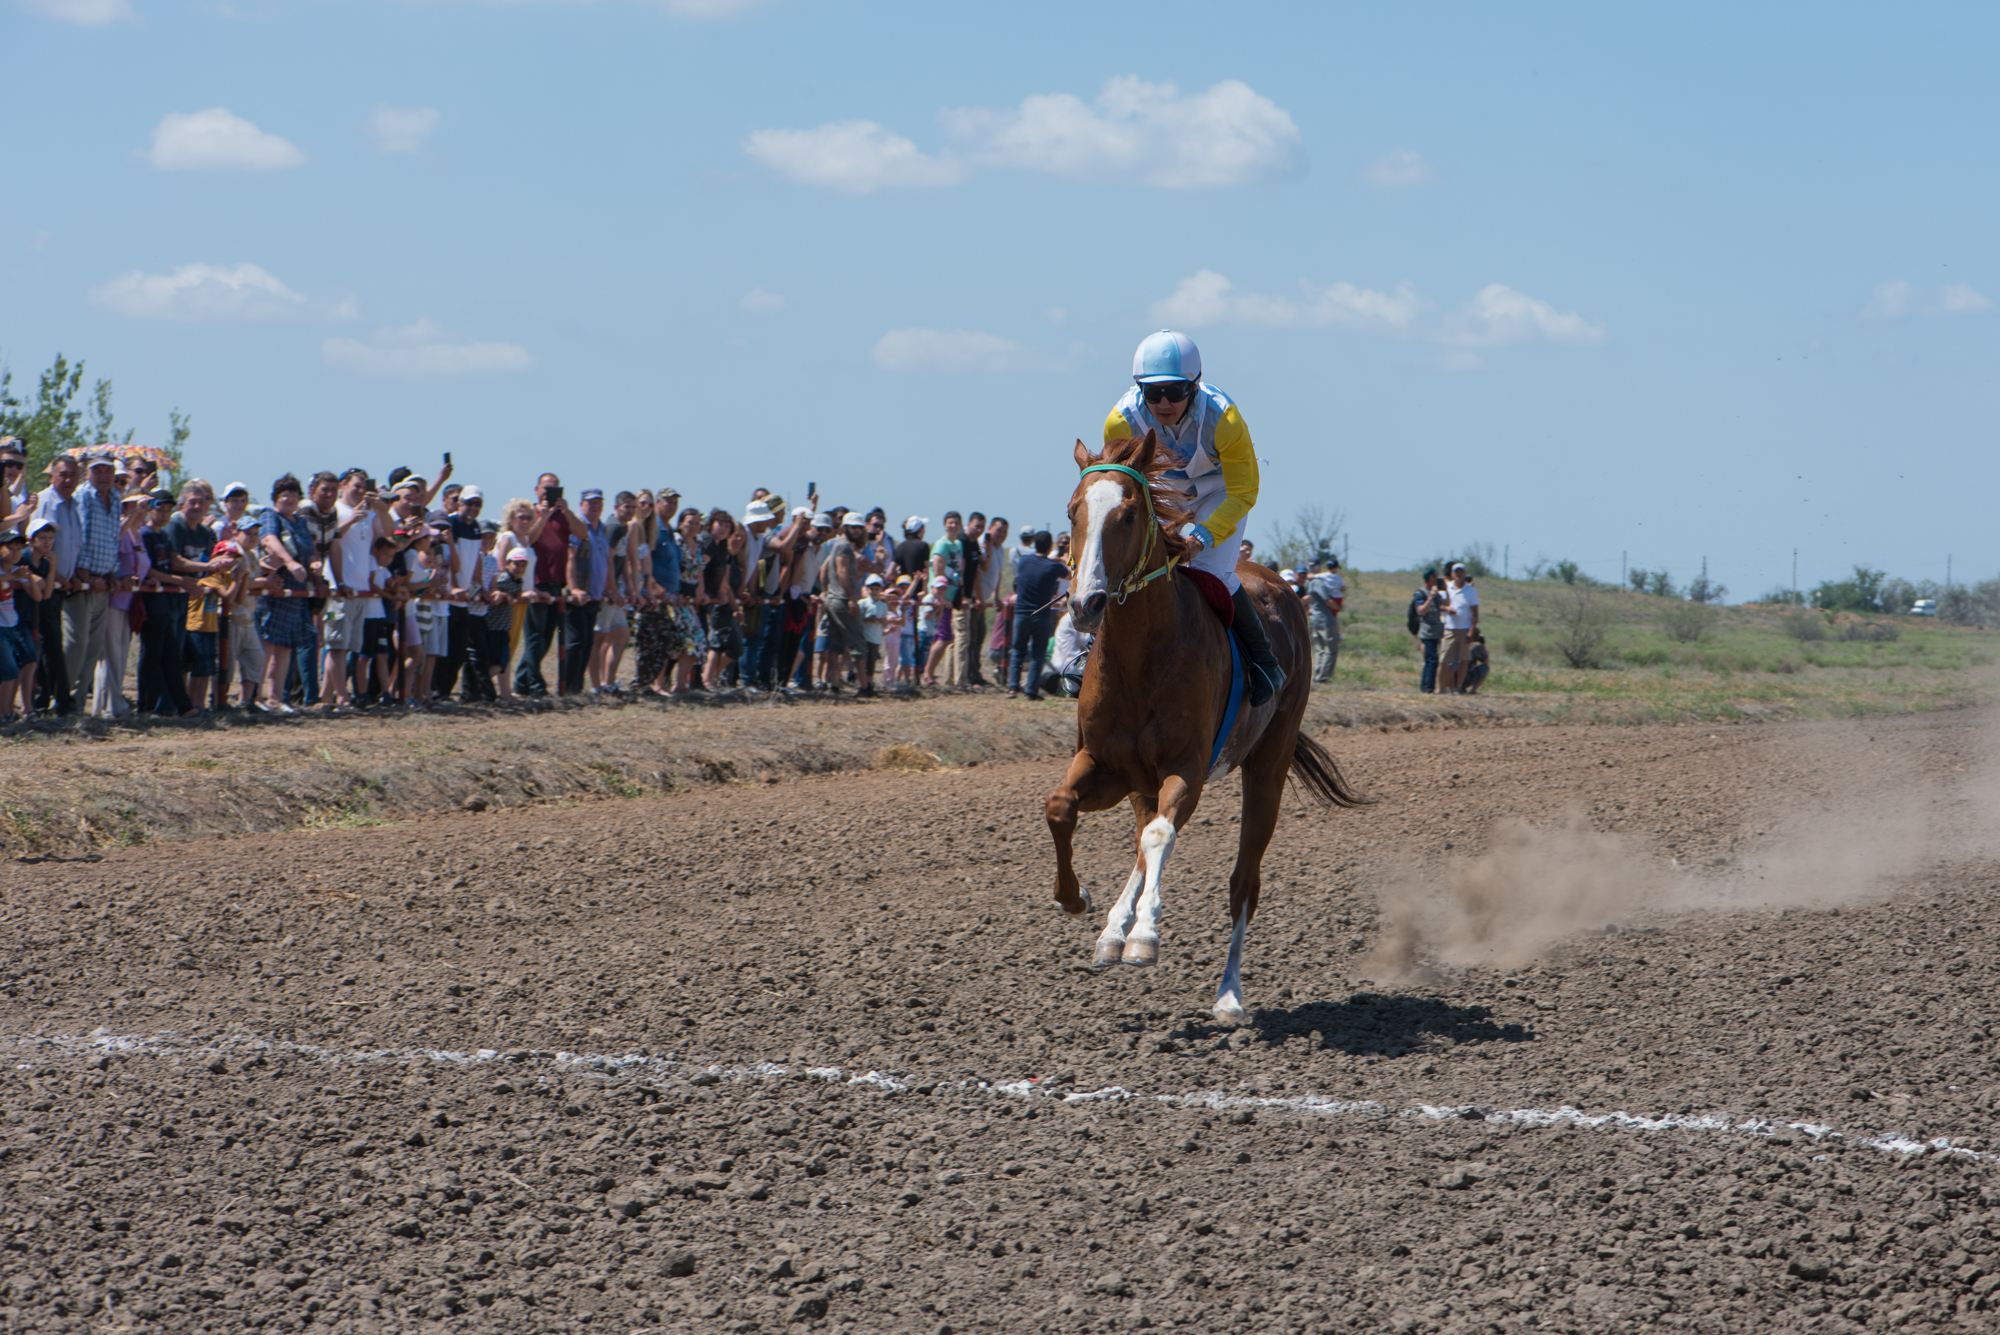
(1621, 570)
(1347, 551)
(1795, 569)
(1947, 570)
(1506, 558)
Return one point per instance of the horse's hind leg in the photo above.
(1263, 798)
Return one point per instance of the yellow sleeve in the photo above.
(1239, 475)
(1116, 427)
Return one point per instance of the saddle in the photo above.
(1215, 593)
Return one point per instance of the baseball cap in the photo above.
(591, 494)
(12, 447)
(233, 488)
(408, 482)
(757, 513)
(487, 526)
(92, 458)
(225, 548)
(915, 524)
(822, 520)
(38, 523)
(10, 536)
(1287, 573)
(251, 519)
(162, 496)
(471, 494)
(874, 581)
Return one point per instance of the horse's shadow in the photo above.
(1374, 1024)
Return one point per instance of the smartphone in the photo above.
(555, 495)
(812, 488)
(447, 456)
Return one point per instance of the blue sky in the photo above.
(1573, 280)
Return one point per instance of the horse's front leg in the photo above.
(1179, 796)
(1084, 788)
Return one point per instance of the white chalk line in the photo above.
(641, 1067)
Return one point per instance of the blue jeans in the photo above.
(1430, 680)
(760, 654)
(16, 651)
(1030, 645)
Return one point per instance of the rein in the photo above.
(1134, 581)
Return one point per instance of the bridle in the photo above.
(1134, 581)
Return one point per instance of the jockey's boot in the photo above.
(1263, 678)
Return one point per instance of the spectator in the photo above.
(722, 547)
(893, 603)
(87, 608)
(59, 505)
(948, 560)
(1062, 546)
(1037, 589)
(587, 577)
(759, 583)
(550, 536)
(359, 520)
(988, 587)
(1246, 550)
(913, 563)
(614, 621)
(243, 655)
(378, 645)
(1461, 618)
(235, 504)
(1427, 624)
(874, 622)
(1326, 594)
(465, 626)
(840, 598)
(935, 622)
(284, 617)
(512, 583)
(970, 628)
(108, 689)
(162, 678)
(1477, 663)
(30, 596)
(17, 651)
(17, 503)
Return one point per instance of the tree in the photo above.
(56, 422)
(1705, 590)
(1314, 530)
(1477, 558)
(1861, 592)
(1563, 572)
(1582, 625)
(1784, 597)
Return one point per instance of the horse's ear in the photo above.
(1143, 460)
(1084, 458)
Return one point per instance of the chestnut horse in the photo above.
(1155, 695)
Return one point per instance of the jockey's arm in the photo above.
(1239, 477)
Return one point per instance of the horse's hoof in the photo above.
(1108, 952)
(1142, 952)
(1081, 909)
(1232, 1015)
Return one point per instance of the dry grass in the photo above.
(903, 756)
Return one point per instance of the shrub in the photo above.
(1784, 598)
(1862, 592)
(1581, 626)
(1685, 623)
(1805, 626)
(1869, 632)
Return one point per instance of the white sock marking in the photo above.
(1156, 845)
(1229, 996)
(1120, 917)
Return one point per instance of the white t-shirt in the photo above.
(1328, 586)
(874, 613)
(1458, 612)
(356, 548)
(378, 579)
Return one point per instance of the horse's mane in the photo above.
(1166, 499)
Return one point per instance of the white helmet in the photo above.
(1166, 356)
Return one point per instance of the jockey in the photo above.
(1214, 470)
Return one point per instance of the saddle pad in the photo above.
(1236, 684)
(1216, 592)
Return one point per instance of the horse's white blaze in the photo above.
(1156, 845)
(1229, 996)
(1112, 942)
(1100, 498)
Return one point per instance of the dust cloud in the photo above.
(1537, 885)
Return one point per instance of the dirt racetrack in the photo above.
(1709, 1044)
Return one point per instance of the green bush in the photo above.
(1805, 626)
(1685, 623)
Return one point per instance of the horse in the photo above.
(1155, 695)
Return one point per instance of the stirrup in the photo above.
(1255, 676)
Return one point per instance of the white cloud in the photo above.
(1500, 315)
(89, 13)
(759, 302)
(199, 292)
(216, 140)
(1136, 131)
(712, 9)
(957, 350)
(857, 157)
(1895, 299)
(402, 129)
(420, 350)
(1398, 170)
(1209, 298)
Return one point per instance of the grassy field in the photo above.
(1662, 659)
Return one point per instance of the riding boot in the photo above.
(1264, 677)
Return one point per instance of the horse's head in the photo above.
(1108, 516)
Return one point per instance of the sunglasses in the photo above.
(1173, 391)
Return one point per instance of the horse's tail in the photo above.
(1313, 767)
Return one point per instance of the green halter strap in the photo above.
(1134, 581)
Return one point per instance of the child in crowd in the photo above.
(28, 596)
(207, 602)
(892, 633)
(874, 615)
(376, 644)
(1478, 664)
(935, 624)
(17, 651)
(511, 584)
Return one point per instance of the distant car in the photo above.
(1924, 607)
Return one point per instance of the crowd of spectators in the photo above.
(344, 591)
(1444, 616)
